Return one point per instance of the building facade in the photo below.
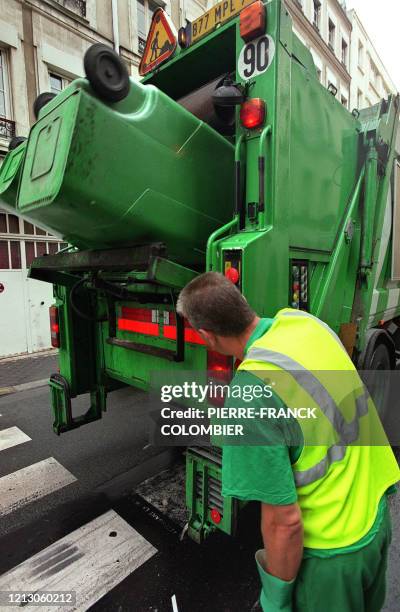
(370, 79)
(42, 44)
(325, 28)
(342, 50)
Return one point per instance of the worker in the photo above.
(325, 520)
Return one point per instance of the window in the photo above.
(360, 54)
(374, 78)
(37, 249)
(343, 100)
(145, 10)
(10, 255)
(359, 99)
(57, 82)
(317, 14)
(7, 126)
(344, 52)
(319, 74)
(9, 224)
(76, 6)
(332, 34)
(33, 230)
(4, 96)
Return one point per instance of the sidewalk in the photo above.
(24, 369)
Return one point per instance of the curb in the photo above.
(34, 384)
(25, 356)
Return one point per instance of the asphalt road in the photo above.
(100, 462)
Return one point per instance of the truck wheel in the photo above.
(41, 101)
(378, 364)
(106, 72)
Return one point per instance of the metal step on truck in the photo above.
(228, 155)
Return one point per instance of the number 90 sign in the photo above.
(256, 57)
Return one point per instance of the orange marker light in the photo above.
(252, 113)
(252, 21)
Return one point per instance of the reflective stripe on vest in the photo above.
(348, 432)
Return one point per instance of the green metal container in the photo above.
(138, 171)
(10, 172)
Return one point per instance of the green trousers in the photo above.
(351, 582)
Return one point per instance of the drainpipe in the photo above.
(114, 4)
(183, 16)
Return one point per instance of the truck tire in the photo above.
(378, 359)
(41, 101)
(106, 72)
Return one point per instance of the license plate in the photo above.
(220, 13)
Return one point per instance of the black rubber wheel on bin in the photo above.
(15, 142)
(106, 72)
(41, 101)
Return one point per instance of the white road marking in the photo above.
(34, 384)
(89, 561)
(12, 437)
(174, 604)
(32, 482)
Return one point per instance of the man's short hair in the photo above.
(212, 302)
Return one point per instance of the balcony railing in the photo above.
(76, 6)
(141, 45)
(7, 128)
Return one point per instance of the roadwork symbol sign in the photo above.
(160, 44)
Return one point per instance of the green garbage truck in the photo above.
(228, 155)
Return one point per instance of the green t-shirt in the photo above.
(264, 473)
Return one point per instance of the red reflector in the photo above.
(54, 327)
(219, 363)
(140, 327)
(219, 368)
(136, 314)
(252, 113)
(191, 335)
(215, 516)
(252, 21)
(232, 274)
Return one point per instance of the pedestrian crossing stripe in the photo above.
(161, 42)
(12, 436)
(88, 563)
(32, 483)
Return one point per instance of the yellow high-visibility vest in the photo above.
(346, 464)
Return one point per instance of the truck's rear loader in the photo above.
(229, 156)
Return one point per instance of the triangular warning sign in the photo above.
(160, 44)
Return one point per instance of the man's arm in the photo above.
(282, 532)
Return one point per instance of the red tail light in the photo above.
(54, 327)
(233, 275)
(215, 516)
(252, 113)
(219, 369)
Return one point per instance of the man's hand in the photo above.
(282, 532)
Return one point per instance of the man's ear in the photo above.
(209, 338)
